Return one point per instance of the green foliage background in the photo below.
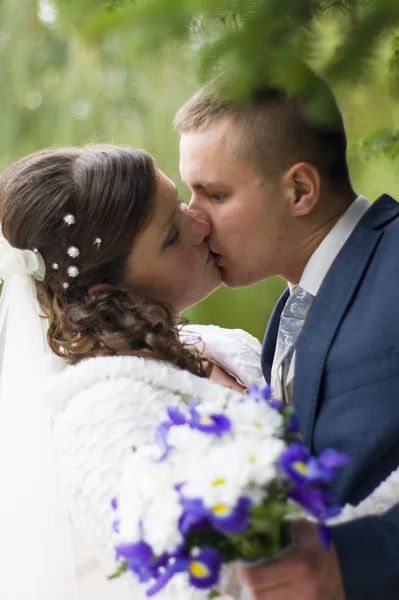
(84, 73)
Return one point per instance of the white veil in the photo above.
(36, 555)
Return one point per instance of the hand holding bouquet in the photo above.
(218, 487)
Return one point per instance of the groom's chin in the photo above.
(233, 283)
(235, 280)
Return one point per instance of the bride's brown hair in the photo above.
(109, 192)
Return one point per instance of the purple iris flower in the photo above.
(303, 469)
(277, 405)
(161, 439)
(260, 394)
(116, 525)
(293, 424)
(217, 424)
(194, 515)
(204, 569)
(232, 520)
(222, 517)
(319, 503)
(324, 535)
(294, 461)
(174, 564)
(176, 416)
(214, 424)
(162, 431)
(138, 557)
(330, 461)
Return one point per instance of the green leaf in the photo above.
(122, 568)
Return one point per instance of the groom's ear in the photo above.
(302, 183)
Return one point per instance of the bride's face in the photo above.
(170, 259)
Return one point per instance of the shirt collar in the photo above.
(325, 254)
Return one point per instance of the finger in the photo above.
(284, 592)
(302, 531)
(269, 575)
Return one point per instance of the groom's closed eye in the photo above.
(217, 196)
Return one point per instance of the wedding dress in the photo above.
(104, 406)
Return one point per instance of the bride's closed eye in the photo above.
(173, 238)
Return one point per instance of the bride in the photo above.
(115, 259)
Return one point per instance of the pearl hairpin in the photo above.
(69, 219)
(73, 271)
(73, 252)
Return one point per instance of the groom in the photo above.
(276, 188)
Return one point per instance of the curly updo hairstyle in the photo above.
(109, 192)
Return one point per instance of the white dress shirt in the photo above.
(325, 254)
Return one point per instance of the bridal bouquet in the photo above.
(218, 487)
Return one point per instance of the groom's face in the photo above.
(249, 216)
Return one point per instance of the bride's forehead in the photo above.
(165, 183)
(164, 206)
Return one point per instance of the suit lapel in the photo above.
(330, 306)
(269, 341)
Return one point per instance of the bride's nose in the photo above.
(201, 228)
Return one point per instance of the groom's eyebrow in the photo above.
(204, 185)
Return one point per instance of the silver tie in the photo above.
(291, 322)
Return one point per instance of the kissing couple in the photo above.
(113, 258)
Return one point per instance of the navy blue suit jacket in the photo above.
(346, 390)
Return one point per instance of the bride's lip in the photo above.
(212, 256)
(216, 258)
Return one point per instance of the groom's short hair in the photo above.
(275, 130)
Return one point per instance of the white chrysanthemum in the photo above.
(129, 524)
(217, 477)
(143, 483)
(143, 473)
(254, 418)
(234, 469)
(260, 457)
(217, 470)
(161, 522)
(189, 445)
(211, 407)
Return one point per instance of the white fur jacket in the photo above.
(104, 406)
